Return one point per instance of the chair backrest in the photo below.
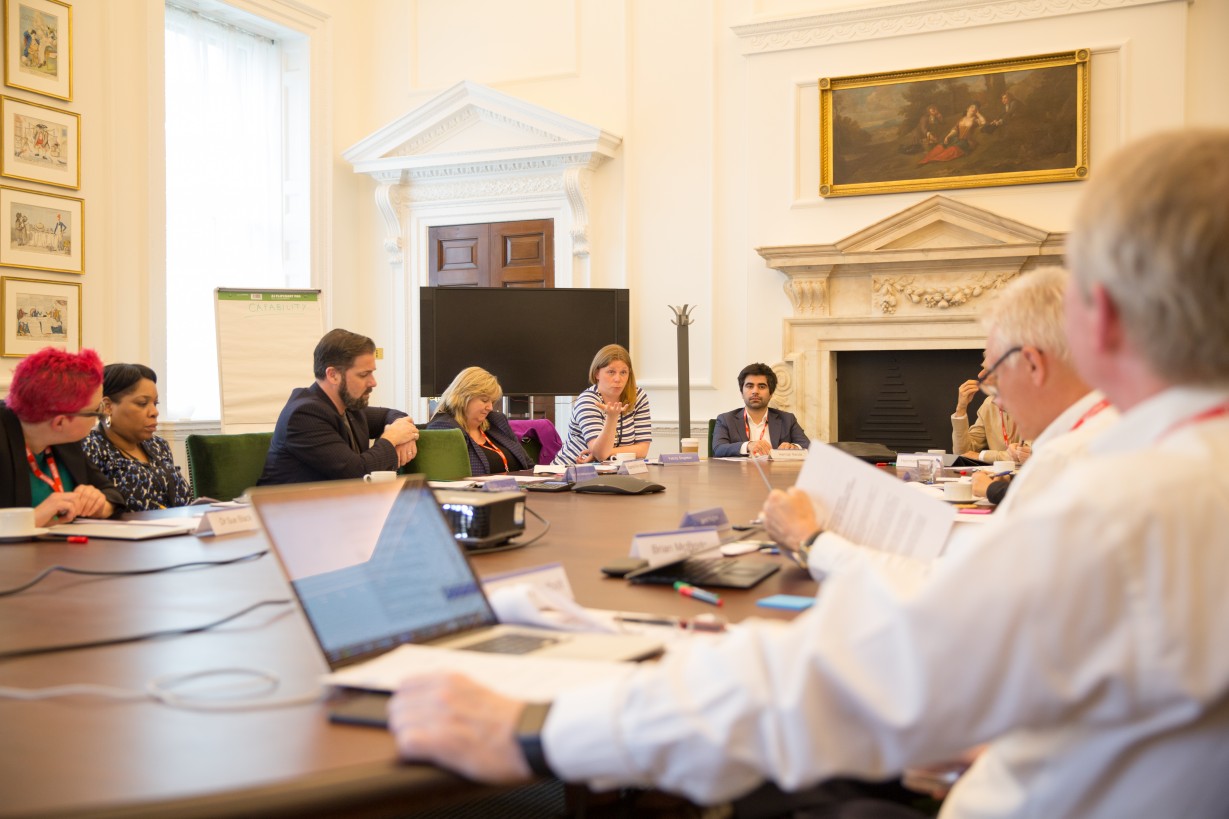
(223, 467)
(532, 447)
(442, 455)
(712, 425)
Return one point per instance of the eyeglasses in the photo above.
(983, 382)
(94, 413)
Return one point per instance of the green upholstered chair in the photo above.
(223, 467)
(712, 425)
(442, 455)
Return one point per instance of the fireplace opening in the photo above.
(902, 399)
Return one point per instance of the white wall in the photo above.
(718, 157)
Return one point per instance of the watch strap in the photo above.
(529, 737)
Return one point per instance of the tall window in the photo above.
(235, 176)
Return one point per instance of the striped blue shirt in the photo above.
(635, 427)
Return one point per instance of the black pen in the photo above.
(680, 622)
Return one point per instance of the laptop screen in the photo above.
(374, 565)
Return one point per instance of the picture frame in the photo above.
(35, 313)
(38, 47)
(43, 231)
(40, 143)
(1004, 122)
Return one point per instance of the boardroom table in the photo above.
(89, 755)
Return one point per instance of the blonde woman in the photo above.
(611, 416)
(468, 404)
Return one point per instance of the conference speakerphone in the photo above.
(483, 520)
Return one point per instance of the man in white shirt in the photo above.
(1084, 642)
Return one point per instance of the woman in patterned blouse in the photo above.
(124, 446)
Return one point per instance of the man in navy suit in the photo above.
(755, 428)
(324, 432)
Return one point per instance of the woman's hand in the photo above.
(613, 409)
(91, 503)
(60, 507)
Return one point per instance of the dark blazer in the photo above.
(310, 442)
(731, 432)
(500, 433)
(15, 470)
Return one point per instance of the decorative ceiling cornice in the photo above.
(904, 19)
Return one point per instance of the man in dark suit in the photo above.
(324, 432)
(756, 428)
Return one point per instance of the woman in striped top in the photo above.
(611, 416)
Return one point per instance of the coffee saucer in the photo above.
(24, 536)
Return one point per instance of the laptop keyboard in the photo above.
(512, 644)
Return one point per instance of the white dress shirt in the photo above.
(1083, 639)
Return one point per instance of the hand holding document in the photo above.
(868, 506)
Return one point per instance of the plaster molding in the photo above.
(904, 19)
(808, 294)
(935, 293)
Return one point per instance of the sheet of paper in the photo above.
(868, 506)
(527, 678)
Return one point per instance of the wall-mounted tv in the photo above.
(535, 341)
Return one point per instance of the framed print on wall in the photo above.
(40, 143)
(38, 47)
(1006, 122)
(38, 314)
(42, 231)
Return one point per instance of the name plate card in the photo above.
(507, 484)
(228, 521)
(580, 472)
(633, 468)
(715, 517)
(660, 548)
(680, 458)
(549, 576)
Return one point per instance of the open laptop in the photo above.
(375, 566)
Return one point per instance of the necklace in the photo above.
(125, 452)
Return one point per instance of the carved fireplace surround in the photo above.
(918, 280)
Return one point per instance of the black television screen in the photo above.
(535, 341)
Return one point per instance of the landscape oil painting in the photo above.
(1008, 122)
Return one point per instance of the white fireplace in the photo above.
(918, 280)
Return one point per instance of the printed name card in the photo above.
(715, 517)
(580, 472)
(228, 521)
(633, 468)
(680, 458)
(549, 576)
(660, 548)
(507, 484)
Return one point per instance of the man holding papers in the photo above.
(1083, 641)
(756, 428)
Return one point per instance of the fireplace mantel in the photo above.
(918, 280)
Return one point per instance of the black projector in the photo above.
(483, 520)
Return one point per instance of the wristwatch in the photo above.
(529, 737)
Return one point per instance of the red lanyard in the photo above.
(1003, 427)
(1092, 411)
(485, 443)
(747, 425)
(1206, 415)
(56, 485)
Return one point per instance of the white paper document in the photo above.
(528, 678)
(868, 506)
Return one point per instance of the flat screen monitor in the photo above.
(535, 341)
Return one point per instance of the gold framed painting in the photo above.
(35, 314)
(40, 143)
(38, 47)
(1007, 122)
(45, 232)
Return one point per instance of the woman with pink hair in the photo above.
(53, 403)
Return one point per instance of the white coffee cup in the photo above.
(380, 476)
(958, 490)
(16, 522)
(623, 456)
(689, 445)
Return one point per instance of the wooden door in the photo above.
(498, 254)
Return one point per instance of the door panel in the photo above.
(523, 254)
(459, 256)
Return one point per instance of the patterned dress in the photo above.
(156, 485)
